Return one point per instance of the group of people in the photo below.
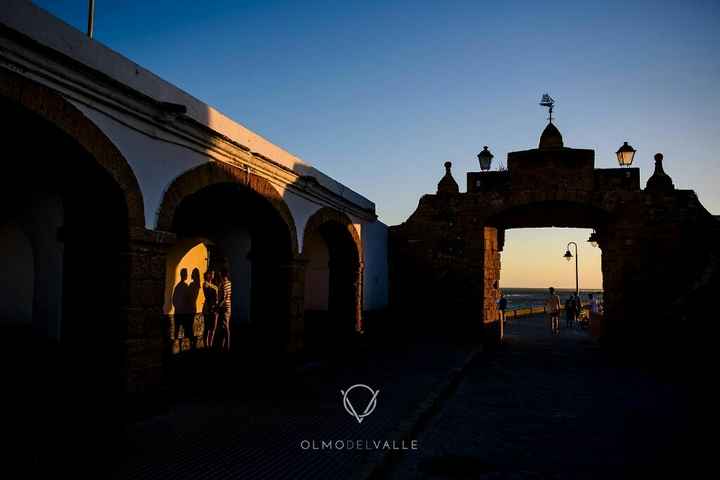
(217, 308)
(573, 310)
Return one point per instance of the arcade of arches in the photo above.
(657, 243)
(87, 275)
(90, 281)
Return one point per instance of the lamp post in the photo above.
(91, 18)
(485, 158)
(625, 155)
(569, 257)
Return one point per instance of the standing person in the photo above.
(210, 312)
(225, 308)
(193, 291)
(502, 306)
(570, 311)
(578, 309)
(180, 304)
(552, 308)
(594, 304)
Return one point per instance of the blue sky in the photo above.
(380, 94)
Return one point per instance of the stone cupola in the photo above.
(447, 184)
(551, 137)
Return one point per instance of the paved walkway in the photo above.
(255, 432)
(551, 407)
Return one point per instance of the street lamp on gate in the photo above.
(569, 256)
(485, 158)
(625, 155)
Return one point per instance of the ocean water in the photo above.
(535, 297)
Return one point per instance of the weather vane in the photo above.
(547, 101)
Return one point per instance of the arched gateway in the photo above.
(657, 242)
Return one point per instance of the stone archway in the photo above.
(251, 233)
(214, 173)
(77, 201)
(445, 259)
(53, 108)
(534, 210)
(332, 252)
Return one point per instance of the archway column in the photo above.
(146, 329)
(294, 272)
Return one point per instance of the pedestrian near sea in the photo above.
(578, 309)
(570, 311)
(594, 304)
(502, 306)
(552, 308)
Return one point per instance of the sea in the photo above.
(535, 297)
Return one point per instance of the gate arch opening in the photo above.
(535, 215)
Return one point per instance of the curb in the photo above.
(381, 461)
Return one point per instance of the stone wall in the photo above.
(659, 245)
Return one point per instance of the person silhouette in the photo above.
(210, 311)
(179, 301)
(192, 292)
(552, 309)
(225, 308)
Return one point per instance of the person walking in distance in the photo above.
(552, 308)
(502, 306)
(225, 308)
(570, 310)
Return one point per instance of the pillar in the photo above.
(294, 272)
(145, 339)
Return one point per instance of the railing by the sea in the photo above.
(511, 313)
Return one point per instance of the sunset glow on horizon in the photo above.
(543, 265)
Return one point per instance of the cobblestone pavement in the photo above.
(256, 431)
(551, 407)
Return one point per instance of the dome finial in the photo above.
(448, 184)
(551, 137)
(659, 181)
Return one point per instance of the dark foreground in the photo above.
(555, 407)
(536, 407)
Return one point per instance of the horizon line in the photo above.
(556, 288)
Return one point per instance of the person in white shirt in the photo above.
(552, 309)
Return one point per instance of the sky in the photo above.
(543, 265)
(380, 94)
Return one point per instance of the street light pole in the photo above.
(91, 18)
(569, 255)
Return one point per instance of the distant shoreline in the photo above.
(559, 289)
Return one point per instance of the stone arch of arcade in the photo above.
(70, 209)
(246, 228)
(332, 254)
(446, 257)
